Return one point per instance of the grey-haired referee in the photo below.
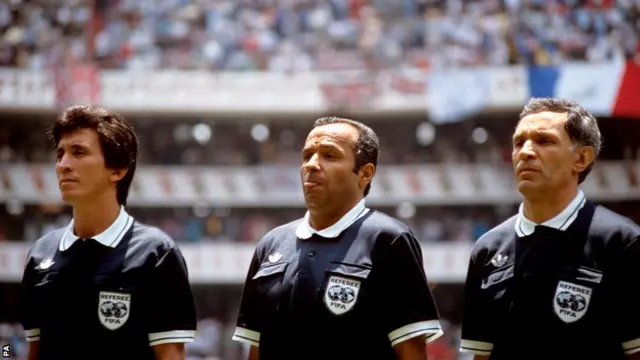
(559, 279)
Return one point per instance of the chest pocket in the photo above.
(47, 287)
(268, 282)
(576, 289)
(57, 295)
(498, 281)
(344, 285)
(118, 301)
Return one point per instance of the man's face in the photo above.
(80, 167)
(544, 157)
(328, 160)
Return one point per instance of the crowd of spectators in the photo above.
(299, 35)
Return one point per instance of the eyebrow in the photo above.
(72, 146)
(322, 146)
(539, 132)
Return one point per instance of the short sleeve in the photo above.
(171, 314)
(622, 280)
(248, 324)
(477, 323)
(29, 311)
(409, 307)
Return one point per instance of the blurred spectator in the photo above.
(301, 35)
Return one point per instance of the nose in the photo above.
(63, 164)
(313, 164)
(527, 151)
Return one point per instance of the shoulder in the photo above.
(150, 239)
(384, 233)
(495, 239)
(614, 229)
(47, 245)
(385, 226)
(279, 237)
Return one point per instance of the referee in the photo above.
(559, 280)
(106, 286)
(344, 282)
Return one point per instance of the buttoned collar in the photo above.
(305, 231)
(526, 227)
(111, 237)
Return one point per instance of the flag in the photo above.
(606, 89)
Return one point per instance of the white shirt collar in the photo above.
(526, 227)
(110, 237)
(305, 231)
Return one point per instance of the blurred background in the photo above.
(223, 93)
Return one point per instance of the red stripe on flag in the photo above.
(628, 100)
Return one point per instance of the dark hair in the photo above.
(581, 126)
(118, 139)
(366, 148)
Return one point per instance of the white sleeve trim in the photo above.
(246, 336)
(476, 347)
(431, 328)
(631, 347)
(33, 335)
(175, 336)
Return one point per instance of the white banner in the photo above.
(457, 93)
(217, 263)
(508, 87)
(247, 93)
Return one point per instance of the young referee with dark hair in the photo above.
(559, 279)
(344, 282)
(106, 286)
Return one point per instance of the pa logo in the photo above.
(113, 309)
(6, 351)
(571, 301)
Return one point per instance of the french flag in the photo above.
(609, 89)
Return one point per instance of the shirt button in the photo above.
(312, 254)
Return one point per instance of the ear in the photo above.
(583, 158)
(366, 174)
(117, 175)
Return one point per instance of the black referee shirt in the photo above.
(566, 289)
(110, 297)
(351, 291)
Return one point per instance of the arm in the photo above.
(412, 349)
(169, 351)
(248, 324)
(29, 311)
(477, 316)
(254, 353)
(626, 271)
(34, 350)
(169, 288)
(410, 321)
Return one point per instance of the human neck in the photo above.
(320, 219)
(94, 218)
(546, 208)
